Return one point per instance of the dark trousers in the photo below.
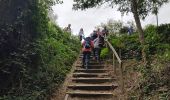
(93, 52)
(86, 54)
(97, 53)
(80, 37)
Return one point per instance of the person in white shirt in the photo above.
(81, 34)
(97, 48)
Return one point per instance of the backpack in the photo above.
(87, 44)
(94, 36)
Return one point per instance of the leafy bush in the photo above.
(157, 40)
(104, 53)
(154, 76)
(36, 56)
(164, 33)
(124, 30)
(154, 79)
(129, 45)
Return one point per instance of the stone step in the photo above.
(92, 86)
(82, 56)
(92, 60)
(89, 93)
(98, 65)
(90, 74)
(91, 70)
(92, 80)
(91, 66)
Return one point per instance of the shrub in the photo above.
(104, 53)
(36, 55)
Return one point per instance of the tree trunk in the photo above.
(157, 19)
(139, 28)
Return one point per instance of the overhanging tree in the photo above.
(139, 8)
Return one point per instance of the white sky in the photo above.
(92, 17)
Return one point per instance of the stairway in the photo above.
(94, 83)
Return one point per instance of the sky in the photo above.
(92, 17)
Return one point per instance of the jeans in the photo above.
(97, 53)
(86, 57)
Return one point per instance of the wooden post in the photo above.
(66, 97)
(121, 78)
(120, 53)
(106, 44)
(114, 65)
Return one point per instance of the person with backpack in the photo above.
(81, 34)
(87, 47)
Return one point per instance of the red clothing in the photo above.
(90, 49)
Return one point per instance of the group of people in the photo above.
(92, 45)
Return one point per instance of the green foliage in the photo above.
(129, 45)
(35, 62)
(151, 38)
(104, 53)
(157, 40)
(124, 30)
(164, 52)
(155, 43)
(154, 82)
(154, 79)
(164, 33)
(117, 43)
(151, 34)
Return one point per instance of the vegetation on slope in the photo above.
(35, 54)
(152, 80)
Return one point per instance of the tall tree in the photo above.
(139, 8)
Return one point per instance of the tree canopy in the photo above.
(144, 7)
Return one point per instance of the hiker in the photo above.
(97, 48)
(130, 30)
(68, 28)
(81, 34)
(93, 36)
(101, 41)
(87, 47)
(101, 37)
(99, 32)
(105, 32)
